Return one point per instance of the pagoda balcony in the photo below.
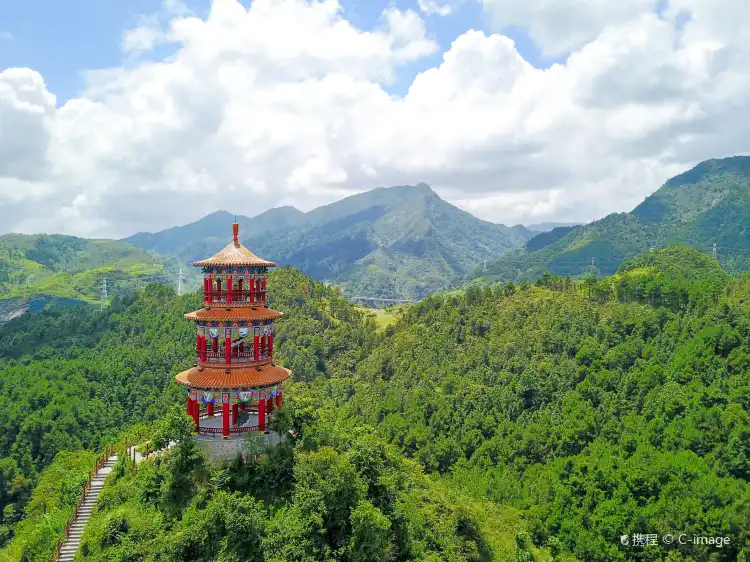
(237, 297)
(237, 357)
(247, 419)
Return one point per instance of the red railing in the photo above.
(258, 297)
(98, 465)
(232, 430)
(239, 357)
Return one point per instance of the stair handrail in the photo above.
(100, 462)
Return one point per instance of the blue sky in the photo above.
(63, 39)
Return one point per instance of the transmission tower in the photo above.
(104, 293)
(713, 251)
(179, 282)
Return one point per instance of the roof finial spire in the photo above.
(236, 230)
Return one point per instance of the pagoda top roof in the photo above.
(235, 254)
(205, 378)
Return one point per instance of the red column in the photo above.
(229, 289)
(189, 406)
(270, 344)
(262, 415)
(269, 406)
(210, 288)
(210, 409)
(228, 349)
(278, 399)
(196, 415)
(205, 288)
(263, 282)
(203, 348)
(225, 416)
(235, 413)
(251, 284)
(256, 346)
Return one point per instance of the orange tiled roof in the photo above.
(235, 253)
(246, 377)
(228, 314)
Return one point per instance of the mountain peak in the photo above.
(706, 206)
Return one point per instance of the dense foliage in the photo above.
(595, 408)
(98, 372)
(402, 242)
(50, 506)
(596, 412)
(336, 493)
(707, 205)
(94, 373)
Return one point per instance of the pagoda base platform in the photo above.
(217, 447)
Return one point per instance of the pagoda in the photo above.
(235, 377)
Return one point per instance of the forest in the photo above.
(511, 422)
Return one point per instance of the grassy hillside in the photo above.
(706, 205)
(67, 268)
(399, 242)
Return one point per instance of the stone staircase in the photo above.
(71, 544)
(66, 550)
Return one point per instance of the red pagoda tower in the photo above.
(233, 346)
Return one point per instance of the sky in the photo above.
(118, 117)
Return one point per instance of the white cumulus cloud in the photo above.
(439, 8)
(287, 102)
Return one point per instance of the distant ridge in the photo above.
(708, 204)
(547, 226)
(45, 269)
(395, 242)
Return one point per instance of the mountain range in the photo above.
(38, 269)
(707, 205)
(398, 242)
